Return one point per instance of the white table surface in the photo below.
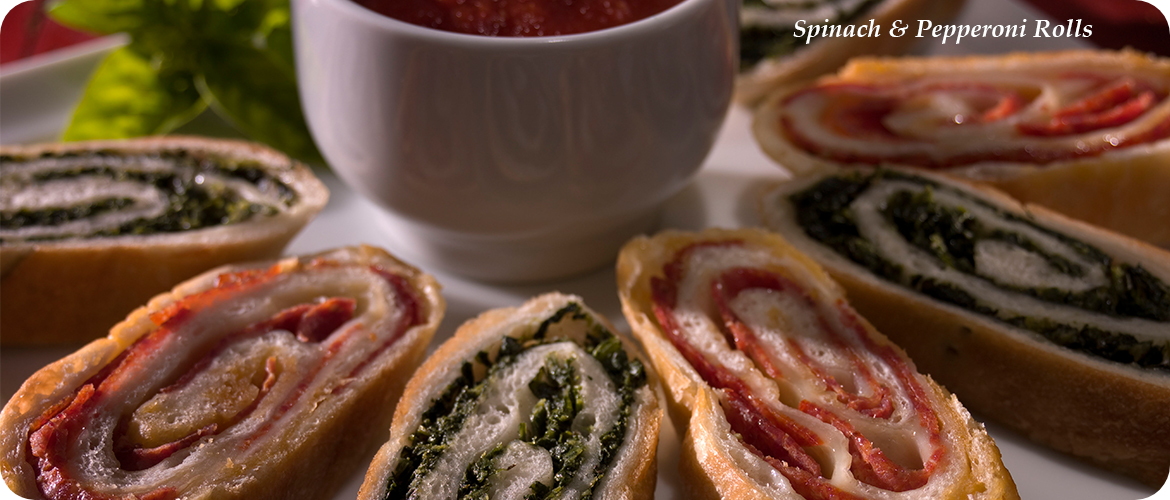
(713, 199)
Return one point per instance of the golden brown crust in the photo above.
(1127, 192)
(708, 464)
(72, 291)
(1118, 422)
(1107, 413)
(828, 54)
(707, 470)
(312, 462)
(636, 467)
(709, 473)
(1122, 189)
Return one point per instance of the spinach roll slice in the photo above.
(1053, 327)
(782, 389)
(541, 401)
(91, 230)
(1085, 133)
(264, 381)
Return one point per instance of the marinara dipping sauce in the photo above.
(518, 17)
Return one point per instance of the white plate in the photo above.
(714, 199)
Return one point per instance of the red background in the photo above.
(27, 31)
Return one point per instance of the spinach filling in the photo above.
(950, 235)
(57, 216)
(558, 389)
(761, 39)
(189, 203)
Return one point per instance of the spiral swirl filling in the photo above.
(802, 383)
(541, 416)
(958, 248)
(56, 197)
(225, 375)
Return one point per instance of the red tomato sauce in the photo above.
(518, 17)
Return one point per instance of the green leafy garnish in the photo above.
(235, 56)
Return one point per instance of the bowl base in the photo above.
(561, 252)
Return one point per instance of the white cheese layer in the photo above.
(997, 262)
(505, 405)
(103, 178)
(786, 327)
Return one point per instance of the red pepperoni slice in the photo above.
(310, 323)
(779, 439)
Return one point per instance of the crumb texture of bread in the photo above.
(269, 380)
(69, 278)
(780, 390)
(1085, 132)
(487, 388)
(1013, 335)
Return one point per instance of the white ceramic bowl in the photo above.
(515, 159)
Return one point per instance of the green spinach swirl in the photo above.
(549, 378)
(958, 248)
(58, 196)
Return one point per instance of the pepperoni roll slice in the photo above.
(1086, 133)
(268, 381)
(542, 401)
(1045, 324)
(91, 230)
(782, 42)
(783, 390)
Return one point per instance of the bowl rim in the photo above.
(672, 16)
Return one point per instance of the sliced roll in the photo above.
(541, 401)
(265, 381)
(91, 230)
(782, 389)
(1055, 328)
(772, 54)
(1086, 133)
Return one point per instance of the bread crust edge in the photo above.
(321, 461)
(1123, 190)
(1067, 401)
(707, 469)
(72, 291)
(482, 331)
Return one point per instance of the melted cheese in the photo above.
(778, 318)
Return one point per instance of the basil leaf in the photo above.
(228, 21)
(255, 94)
(264, 25)
(276, 33)
(128, 97)
(100, 16)
(234, 55)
